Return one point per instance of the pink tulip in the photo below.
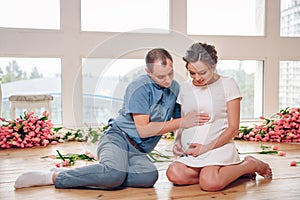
(293, 163)
(281, 153)
(66, 163)
(10, 130)
(37, 140)
(91, 156)
(31, 134)
(54, 142)
(274, 147)
(29, 145)
(262, 117)
(52, 156)
(45, 142)
(45, 114)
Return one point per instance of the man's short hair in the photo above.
(155, 55)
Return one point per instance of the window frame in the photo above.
(71, 45)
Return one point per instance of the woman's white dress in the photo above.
(209, 99)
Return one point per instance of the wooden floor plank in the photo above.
(285, 185)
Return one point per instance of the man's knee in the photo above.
(114, 178)
(145, 179)
(150, 178)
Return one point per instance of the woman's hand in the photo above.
(177, 146)
(195, 149)
(177, 149)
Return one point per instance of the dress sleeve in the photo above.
(181, 93)
(232, 90)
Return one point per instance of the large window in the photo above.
(123, 16)
(23, 76)
(230, 17)
(289, 84)
(290, 18)
(245, 32)
(105, 81)
(35, 14)
(104, 84)
(249, 76)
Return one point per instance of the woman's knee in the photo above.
(210, 183)
(174, 174)
(170, 173)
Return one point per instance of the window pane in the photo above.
(22, 76)
(123, 16)
(290, 18)
(249, 76)
(104, 84)
(289, 84)
(230, 17)
(30, 14)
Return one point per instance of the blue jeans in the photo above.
(120, 165)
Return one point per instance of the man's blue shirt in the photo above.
(144, 96)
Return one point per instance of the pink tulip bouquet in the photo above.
(283, 127)
(26, 131)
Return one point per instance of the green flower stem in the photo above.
(45, 157)
(260, 152)
(154, 154)
(60, 155)
(263, 147)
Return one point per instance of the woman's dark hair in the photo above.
(201, 52)
(157, 54)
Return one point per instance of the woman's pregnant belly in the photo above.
(199, 134)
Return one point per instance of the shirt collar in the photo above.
(153, 83)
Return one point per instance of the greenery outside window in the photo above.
(23, 76)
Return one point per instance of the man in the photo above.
(149, 111)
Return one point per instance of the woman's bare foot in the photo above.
(262, 168)
(249, 176)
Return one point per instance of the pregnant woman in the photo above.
(206, 154)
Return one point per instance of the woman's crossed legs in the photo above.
(214, 178)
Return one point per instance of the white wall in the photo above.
(71, 45)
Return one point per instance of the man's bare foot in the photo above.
(262, 168)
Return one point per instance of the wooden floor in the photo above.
(285, 184)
